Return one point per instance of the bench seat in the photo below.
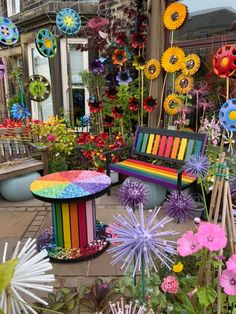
(152, 173)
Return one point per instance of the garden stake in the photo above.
(227, 98)
(8, 296)
(143, 279)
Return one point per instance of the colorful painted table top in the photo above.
(68, 186)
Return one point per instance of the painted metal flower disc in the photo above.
(224, 61)
(37, 87)
(227, 115)
(46, 43)
(68, 21)
(9, 33)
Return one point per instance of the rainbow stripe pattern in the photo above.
(69, 185)
(72, 194)
(74, 224)
(152, 173)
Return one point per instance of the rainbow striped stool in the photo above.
(174, 147)
(72, 195)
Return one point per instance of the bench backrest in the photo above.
(11, 149)
(169, 145)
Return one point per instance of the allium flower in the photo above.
(170, 284)
(133, 192)
(137, 237)
(179, 206)
(228, 282)
(231, 264)
(232, 184)
(97, 66)
(188, 244)
(133, 104)
(123, 77)
(51, 137)
(211, 236)
(197, 166)
(29, 274)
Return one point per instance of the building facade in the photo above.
(62, 71)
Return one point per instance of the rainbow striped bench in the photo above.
(174, 147)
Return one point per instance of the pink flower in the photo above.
(51, 138)
(170, 285)
(36, 121)
(188, 244)
(211, 236)
(231, 264)
(228, 282)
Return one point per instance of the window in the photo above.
(13, 7)
(40, 65)
(75, 95)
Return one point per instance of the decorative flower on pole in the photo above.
(27, 270)
(172, 104)
(197, 166)
(133, 192)
(175, 15)
(143, 239)
(172, 59)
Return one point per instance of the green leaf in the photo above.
(206, 296)
(1, 311)
(7, 270)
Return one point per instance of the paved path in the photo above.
(21, 220)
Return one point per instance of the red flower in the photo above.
(111, 92)
(88, 154)
(95, 106)
(117, 112)
(138, 40)
(133, 104)
(108, 120)
(100, 169)
(115, 159)
(149, 104)
(121, 39)
(51, 138)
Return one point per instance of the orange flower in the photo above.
(119, 56)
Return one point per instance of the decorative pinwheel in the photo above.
(37, 87)
(20, 111)
(46, 43)
(227, 115)
(68, 21)
(9, 34)
(23, 272)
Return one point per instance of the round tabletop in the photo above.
(70, 186)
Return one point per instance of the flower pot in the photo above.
(114, 176)
(199, 209)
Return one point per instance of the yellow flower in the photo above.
(183, 84)
(177, 268)
(172, 59)
(175, 15)
(153, 69)
(139, 62)
(172, 104)
(191, 64)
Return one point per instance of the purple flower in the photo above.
(179, 206)
(133, 192)
(137, 236)
(123, 77)
(232, 184)
(197, 166)
(97, 66)
(46, 239)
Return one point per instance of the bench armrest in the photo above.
(108, 154)
(39, 148)
(44, 156)
(179, 179)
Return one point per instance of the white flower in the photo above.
(229, 140)
(30, 274)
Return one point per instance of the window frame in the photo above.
(10, 7)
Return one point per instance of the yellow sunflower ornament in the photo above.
(172, 59)
(183, 84)
(191, 64)
(175, 15)
(152, 70)
(172, 104)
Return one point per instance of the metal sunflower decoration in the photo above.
(183, 84)
(172, 59)
(175, 15)
(191, 64)
(9, 34)
(46, 43)
(152, 69)
(68, 21)
(37, 87)
(172, 104)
